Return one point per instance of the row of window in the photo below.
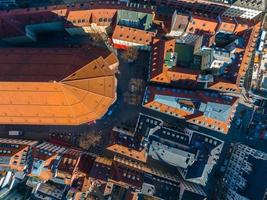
(134, 38)
(99, 20)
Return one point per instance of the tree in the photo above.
(89, 140)
(130, 54)
(97, 37)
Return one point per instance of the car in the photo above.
(91, 123)
(238, 122)
(249, 138)
(110, 112)
(14, 133)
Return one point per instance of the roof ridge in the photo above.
(96, 64)
(96, 77)
(63, 91)
(89, 89)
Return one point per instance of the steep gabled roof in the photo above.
(83, 96)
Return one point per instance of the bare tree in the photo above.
(130, 54)
(97, 37)
(89, 140)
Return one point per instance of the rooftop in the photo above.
(134, 19)
(134, 35)
(209, 109)
(244, 173)
(192, 152)
(81, 96)
(44, 64)
(15, 21)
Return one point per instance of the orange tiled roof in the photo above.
(45, 64)
(103, 160)
(83, 96)
(225, 26)
(198, 24)
(159, 71)
(128, 152)
(134, 35)
(15, 155)
(16, 150)
(101, 17)
(240, 27)
(191, 99)
(179, 73)
(249, 49)
(224, 86)
(13, 22)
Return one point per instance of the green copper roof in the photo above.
(134, 19)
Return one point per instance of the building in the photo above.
(209, 54)
(245, 174)
(198, 7)
(54, 171)
(46, 157)
(242, 12)
(258, 84)
(179, 23)
(257, 5)
(15, 153)
(49, 191)
(207, 109)
(15, 158)
(163, 59)
(67, 168)
(133, 29)
(245, 9)
(22, 25)
(59, 171)
(6, 3)
(159, 181)
(51, 89)
(194, 154)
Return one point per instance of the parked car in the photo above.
(14, 133)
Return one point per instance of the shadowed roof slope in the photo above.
(82, 97)
(44, 64)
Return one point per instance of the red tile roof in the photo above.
(192, 99)
(13, 22)
(134, 35)
(198, 25)
(44, 64)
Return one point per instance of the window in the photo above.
(100, 19)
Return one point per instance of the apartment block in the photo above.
(180, 148)
(244, 175)
(208, 54)
(15, 159)
(207, 109)
(133, 29)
